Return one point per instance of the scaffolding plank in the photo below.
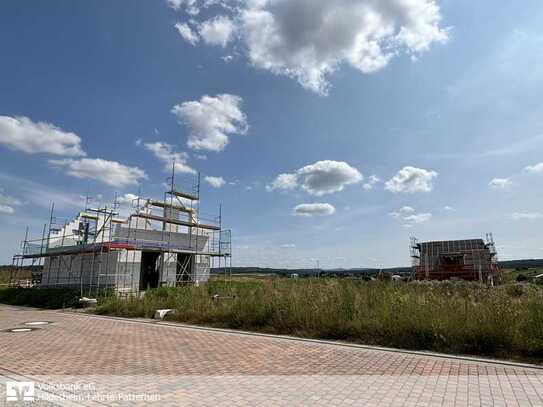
(161, 204)
(176, 221)
(183, 195)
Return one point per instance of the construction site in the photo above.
(157, 243)
(471, 260)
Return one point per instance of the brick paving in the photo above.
(91, 360)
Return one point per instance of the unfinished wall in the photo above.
(92, 271)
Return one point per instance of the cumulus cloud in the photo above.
(402, 212)
(314, 209)
(22, 134)
(409, 217)
(535, 169)
(217, 31)
(320, 178)
(7, 204)
(284, 182)
(411, 179)
(526, 215)
(191, 6)
(418, 218)
(109, 172)
(187, 33)
(500, 183)
(215, 182)
(308, 40)
(6, 209)
(211, 120)
(126, 203)
(372, 180)
(165, 153)
(126, 200)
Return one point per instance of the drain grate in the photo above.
(37, 323)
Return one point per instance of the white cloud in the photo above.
(411, 179)
(109, 172)
(22, 134)
(284, 182)
(211, 120)
(409, 216)
(320, 178)
(535, 169)
(288, 246)
(7, 203)
(448, 208)
(372, 180)
(6, 209)
(500, 183)
(314, 209)
(526, 215)
(127, 203)
(166, 154)
(402, 212)
(126, 200)
(215, 182)
(307, 40)
(187, 33)
(418, 218)
(190, 5)
(193, 7)
(217, 31)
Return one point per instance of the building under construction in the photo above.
(472, 260)
(156, 243)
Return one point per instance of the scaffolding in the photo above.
(168, 241)
(472, 260)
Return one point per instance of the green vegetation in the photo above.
(523, 274)
(52, 298)
(452, 317)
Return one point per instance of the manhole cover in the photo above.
(19, 330)
(36, 323)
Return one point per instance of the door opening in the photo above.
(150, 270)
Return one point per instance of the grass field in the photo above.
(451, 317)
(460, 318)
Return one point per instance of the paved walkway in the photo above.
(86, 360)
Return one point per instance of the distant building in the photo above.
(472, 260)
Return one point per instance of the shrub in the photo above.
(52, 298)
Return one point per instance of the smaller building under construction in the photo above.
(156, 243)
(472, 260)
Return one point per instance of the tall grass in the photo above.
(448, 317)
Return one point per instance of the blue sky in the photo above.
(439, 101)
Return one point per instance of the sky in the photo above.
(330, 131)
